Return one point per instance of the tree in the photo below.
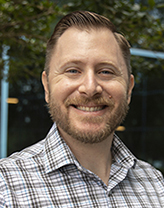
(25, 27)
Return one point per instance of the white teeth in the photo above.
(89, 109)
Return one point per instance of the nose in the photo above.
(90, 85)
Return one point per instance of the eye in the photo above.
(106, 72)
(72, 71)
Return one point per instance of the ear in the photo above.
(45, 85)
(131, 85)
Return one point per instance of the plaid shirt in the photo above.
(48, 175)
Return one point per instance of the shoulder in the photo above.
(147, 169)
(15, 169)
(147, 175)
(25, 156)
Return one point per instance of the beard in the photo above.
(114, 117)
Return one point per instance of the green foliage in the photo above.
(26, 25)
(151, 3)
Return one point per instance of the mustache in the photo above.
(103, 101)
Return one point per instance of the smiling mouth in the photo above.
(90, 109)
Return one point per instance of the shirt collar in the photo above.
(121, 154)
(57, 153)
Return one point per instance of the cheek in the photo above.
(117, 91)
(62, 90)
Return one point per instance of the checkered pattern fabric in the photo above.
(48, 175)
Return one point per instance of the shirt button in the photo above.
(110, 193)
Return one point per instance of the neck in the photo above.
(95, 157)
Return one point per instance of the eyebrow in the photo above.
(75, 62)
(110, 63)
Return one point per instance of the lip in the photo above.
(89, 110)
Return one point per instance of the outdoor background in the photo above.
(25, 27)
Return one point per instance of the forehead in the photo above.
(91, 44)
(78, 35)
(74, 38)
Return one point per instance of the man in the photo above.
(81, 162)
